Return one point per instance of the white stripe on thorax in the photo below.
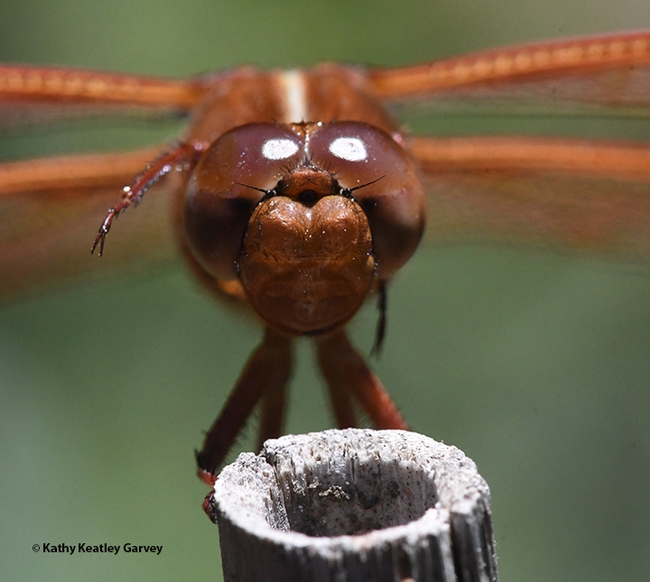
(295, 96)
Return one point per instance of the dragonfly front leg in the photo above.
(183, 157)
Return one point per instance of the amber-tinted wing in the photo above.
(557, 192)
(586, 74)
(51, 209)
(35, 95)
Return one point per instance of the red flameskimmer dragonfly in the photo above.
(297, 194)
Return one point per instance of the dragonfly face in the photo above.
(308, 217)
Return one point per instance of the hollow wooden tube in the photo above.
(355, 505)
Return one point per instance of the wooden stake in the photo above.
(354, 505)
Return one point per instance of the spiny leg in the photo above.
(267, 370)
(182, 157)
(345, 371)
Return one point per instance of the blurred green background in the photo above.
(537, 366)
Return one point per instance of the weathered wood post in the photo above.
(354, 505)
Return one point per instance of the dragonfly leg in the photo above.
(267, 370)
(182, 157)
(340, 396)
(346, 372)
(273, 408)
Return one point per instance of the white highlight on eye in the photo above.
(279, 149)
(351, 149)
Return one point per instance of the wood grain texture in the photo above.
(356, 505)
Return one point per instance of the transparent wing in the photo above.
(542, 192)
(600, 74)
(51, 210)
(42, 95)
(539, 192)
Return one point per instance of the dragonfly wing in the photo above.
(595, 74)
(51, 210)
(539, 192)
(30, 95)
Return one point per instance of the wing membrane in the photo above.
(35, 94)
(592, 196)
(539, 192)
(51, 209)
(591, 74)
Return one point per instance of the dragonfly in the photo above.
(298, 195)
